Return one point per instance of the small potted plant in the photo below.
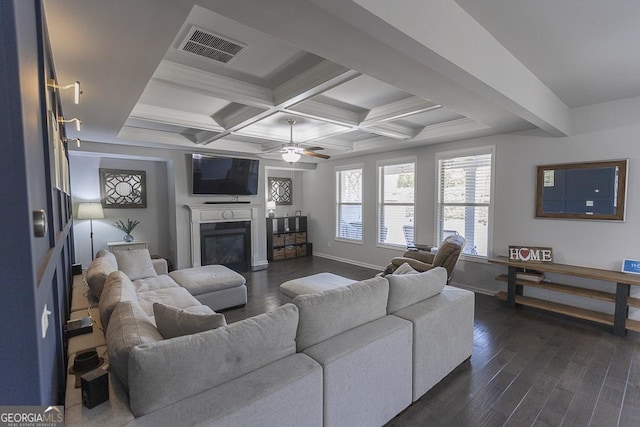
(127, 227)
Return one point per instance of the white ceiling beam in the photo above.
(321, 111)
(324, 130)
(174, 117)
(179, 76)
(240, 117)
(235, 146)
(397, 110)
(391, 130)
(451, 127)
(317, 79)
(155, 136)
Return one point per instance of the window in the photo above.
(396, 195)
(464, 198)
(349, 203)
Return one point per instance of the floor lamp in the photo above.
(90, 211)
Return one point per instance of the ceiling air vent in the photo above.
(203, 43)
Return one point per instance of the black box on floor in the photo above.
(84, 325)
(95, 387)
(76, 269)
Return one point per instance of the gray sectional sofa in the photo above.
(338, 357)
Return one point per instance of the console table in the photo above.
(619, 297)
(127, 246)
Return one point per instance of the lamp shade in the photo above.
(90, 211)
(271, 205)
(290, 156)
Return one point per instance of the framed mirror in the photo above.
(280, 191)
(591, 190)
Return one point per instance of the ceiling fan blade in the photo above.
(313, 148)
(314, 154)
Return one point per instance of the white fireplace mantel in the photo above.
(202, 214)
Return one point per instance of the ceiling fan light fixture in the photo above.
(290, 156)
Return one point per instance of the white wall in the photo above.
(154, 219)
(601, 132)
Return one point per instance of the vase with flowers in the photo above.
(127, 227)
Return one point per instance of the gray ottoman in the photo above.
(314, 284)
(214, 285)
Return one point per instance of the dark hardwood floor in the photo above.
(529, 367)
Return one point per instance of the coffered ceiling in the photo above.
(357, 76)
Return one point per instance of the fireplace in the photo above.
(234, 214)
(226, 243)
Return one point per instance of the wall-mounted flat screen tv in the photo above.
(224, 175)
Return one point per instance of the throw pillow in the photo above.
(135, 263)
(175, 322)
(405, 269)
(97, 274)
(329, 313)
(408, 289)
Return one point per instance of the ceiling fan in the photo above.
(291, 151)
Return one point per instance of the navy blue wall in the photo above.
(35, 270)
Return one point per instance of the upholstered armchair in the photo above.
(423, 260)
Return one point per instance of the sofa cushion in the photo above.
(176, 297)
(329, 313)
(117, 288)
(207, 278)
(109, 256)
(154, 283)
(408, 289)
(128, 327)
(254, 399)
(136, 263)
(175, 322)
(97, 274)
(366, 373)
(164, 372)
(446, 319)
(405, 268)
(313, 284)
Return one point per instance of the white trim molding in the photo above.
(203, 214)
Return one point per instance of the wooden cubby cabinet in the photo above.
(619, 296)
(287, 238)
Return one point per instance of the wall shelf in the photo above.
(580, 313)
(565, 289)
(620, 298)
(633, 325)
(633, 302)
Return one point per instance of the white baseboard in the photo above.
(474, 289)
(260, 265)
(350, 261)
